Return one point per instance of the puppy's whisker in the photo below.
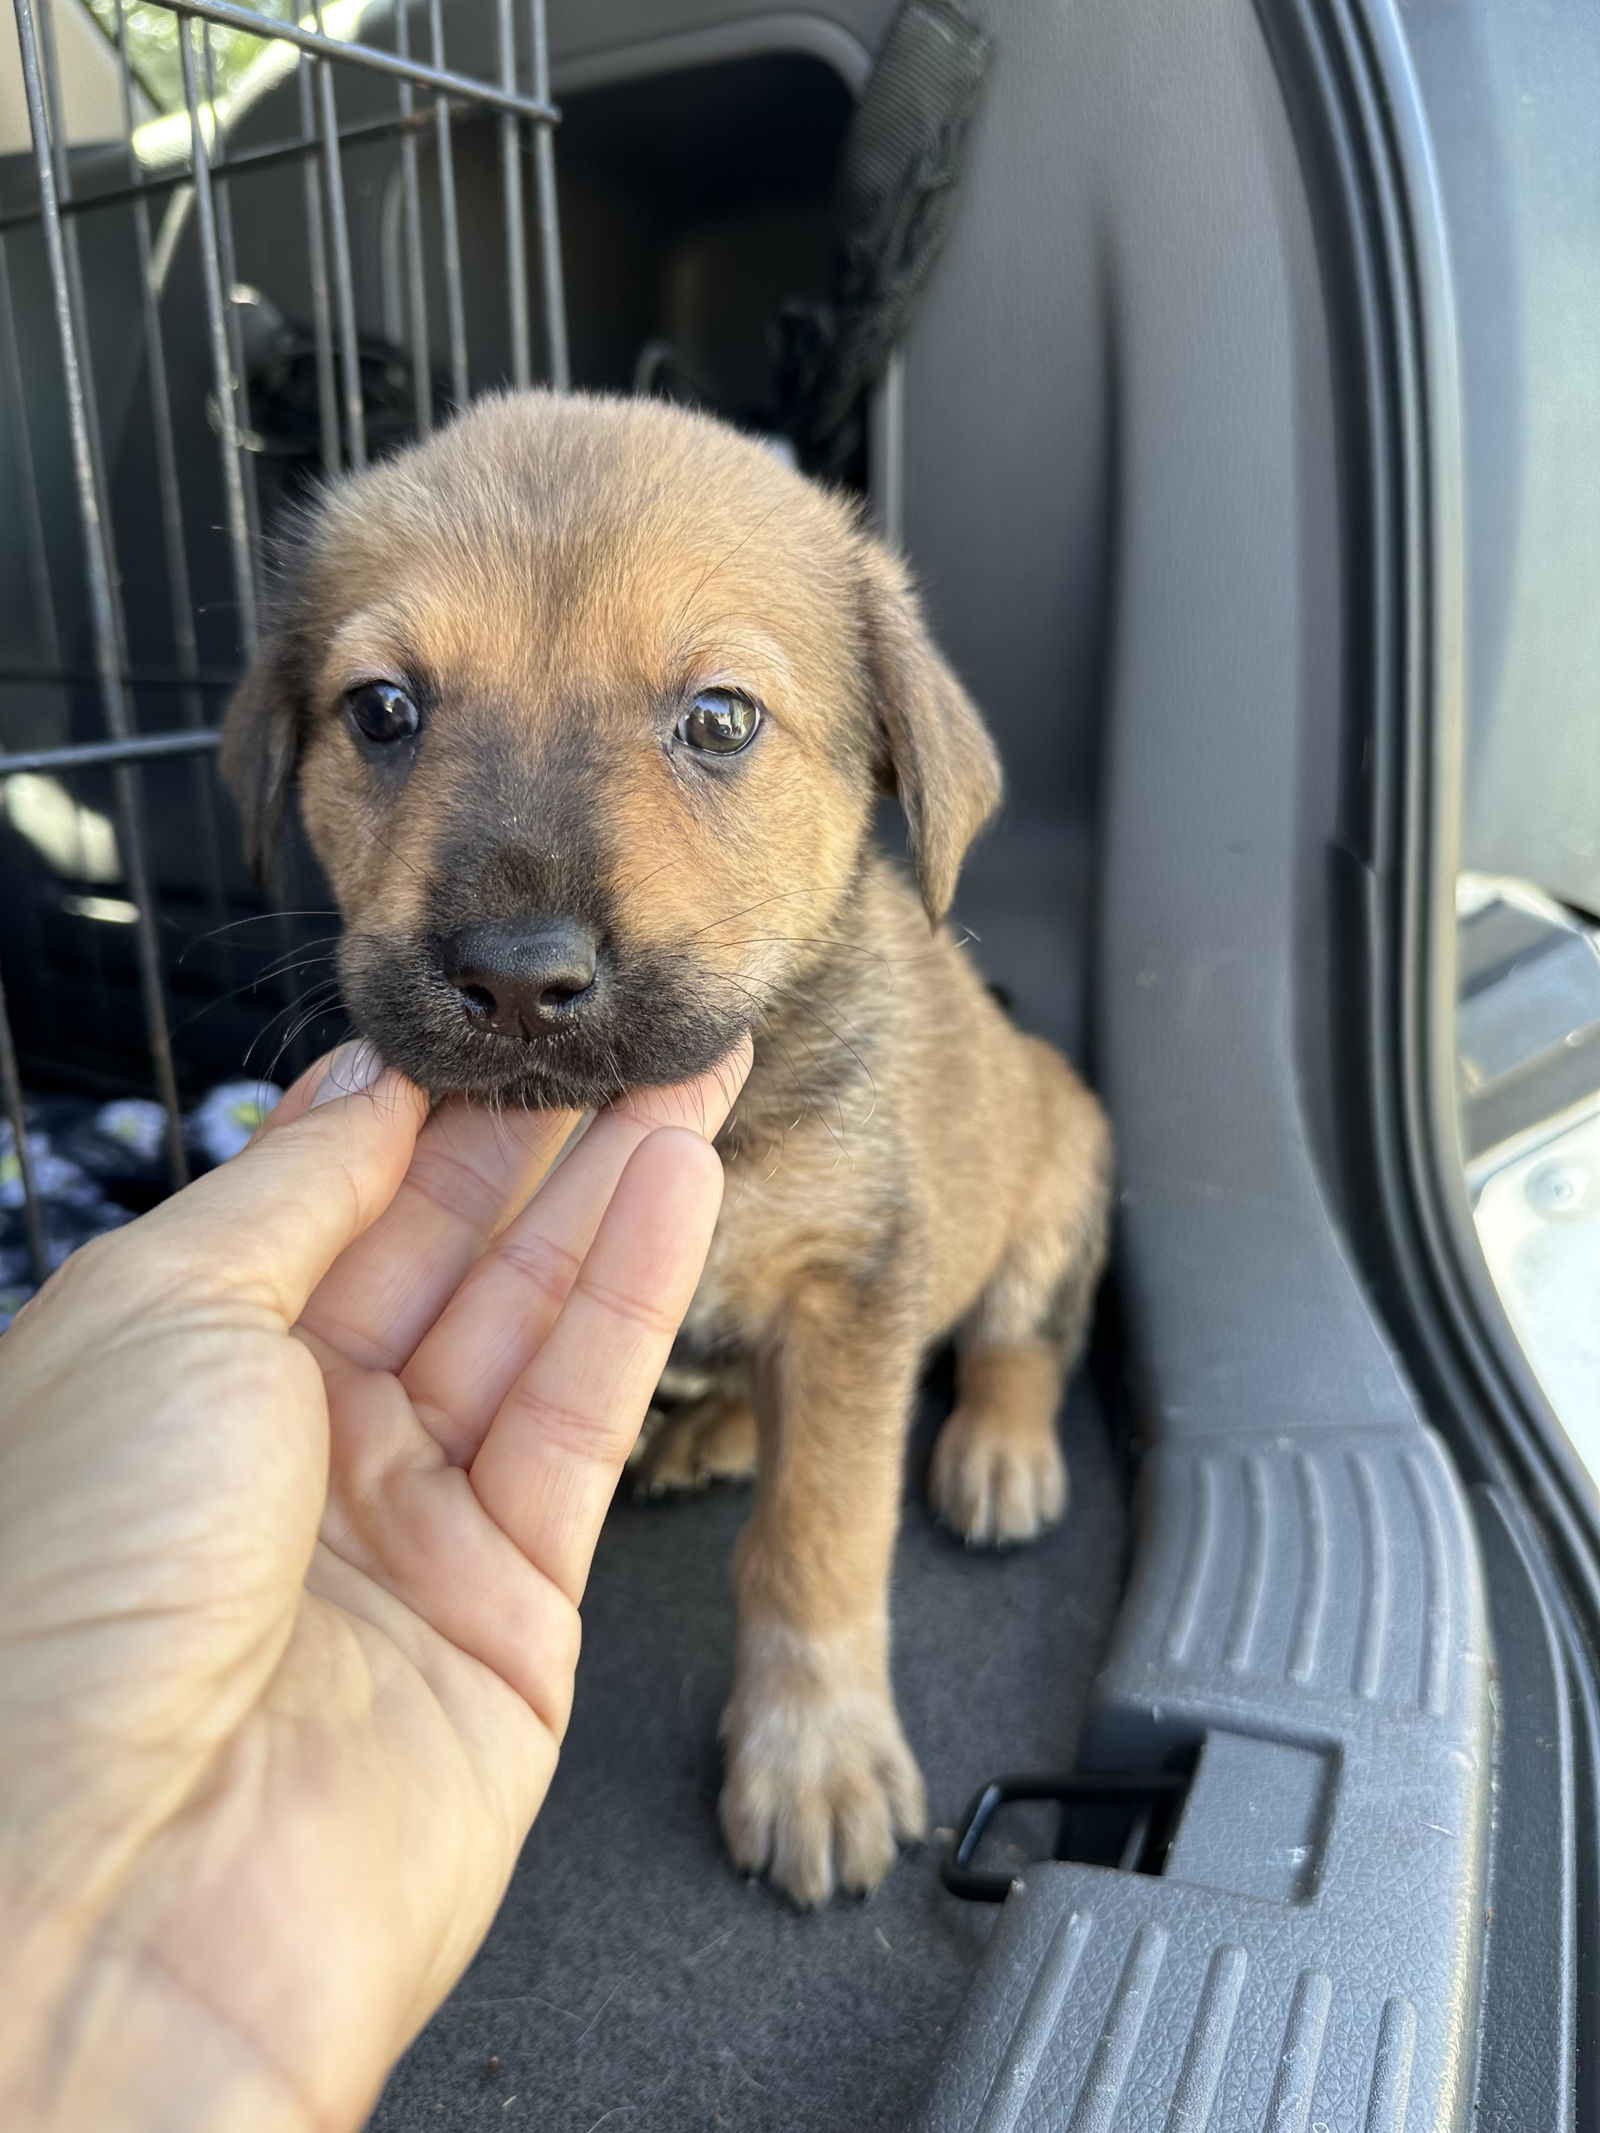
(728, 918)
(802, 1004)
(833, 945)
(309, 1013)
(797, 1081)
(306, 1008)
(806, 1008)
(807, 1004)
(724, 560)
(838, 1102)
(326, 991)
(198, 1014)
(376, 837)
(665, 867)
(257, 918)
(287, 961)
(287, 970)
(834, 1009)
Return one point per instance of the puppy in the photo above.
(588, 704)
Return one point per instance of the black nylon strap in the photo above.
(898, 176)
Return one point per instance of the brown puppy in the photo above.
(588, 703)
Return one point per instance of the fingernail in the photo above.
(353, 1067)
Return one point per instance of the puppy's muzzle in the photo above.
(527, 978)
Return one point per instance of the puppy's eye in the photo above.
(719, 722)
(380, 712)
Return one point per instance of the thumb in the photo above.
(268, 1225)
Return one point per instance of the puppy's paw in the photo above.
(820, 1790)
(997, 1484)
(714, 1440)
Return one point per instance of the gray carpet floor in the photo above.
(633, 1981)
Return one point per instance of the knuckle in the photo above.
(451, 1184)
(641, 1311)
(547, 1267)
(578, 1432)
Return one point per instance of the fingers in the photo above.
(269, 1224)
(550, 1461)
(490, 1333)
(472, 1169)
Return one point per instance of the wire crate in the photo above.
(158, 410)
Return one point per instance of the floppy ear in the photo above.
(263, 726)
(935, 749)
(261, 748)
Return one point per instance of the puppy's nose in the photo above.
(523, 977)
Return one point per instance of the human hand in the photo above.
(300, 1479)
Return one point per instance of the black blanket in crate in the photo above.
(96, 1166)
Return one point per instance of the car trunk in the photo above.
(1171, 440)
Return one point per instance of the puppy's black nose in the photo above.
(523, 977)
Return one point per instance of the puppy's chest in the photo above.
(784, 1218)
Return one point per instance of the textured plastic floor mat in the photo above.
(633, 1980)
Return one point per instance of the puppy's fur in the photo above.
(553, 580)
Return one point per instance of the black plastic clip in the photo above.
(1141, 1831)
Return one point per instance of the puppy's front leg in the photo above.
(820, 1783)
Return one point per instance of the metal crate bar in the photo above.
(222, 209)
(317, 273)
(90, 755)
(544, 183)
(155, 185)
(223, 382)
(416, 277)
(135, 677)
(180, 598)
(11, 1110)
(416, 71)
(33, 540)
(455, 305)
(355, 426)
(511, 198)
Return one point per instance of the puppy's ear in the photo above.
(935, 749)
(261, 747)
